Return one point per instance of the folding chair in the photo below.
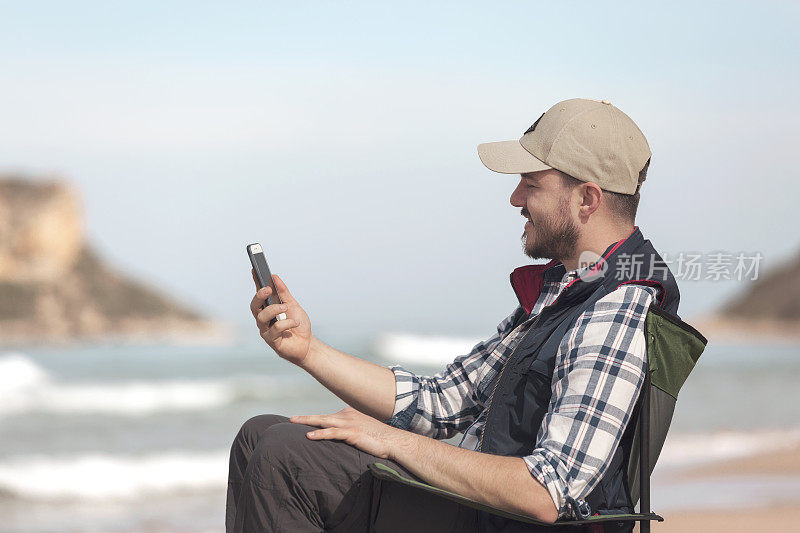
(673, 348)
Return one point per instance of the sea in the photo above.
(111, 438)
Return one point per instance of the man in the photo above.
(543, 404)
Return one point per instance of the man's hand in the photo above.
(291, 337)
(502, 482)
(355, 428)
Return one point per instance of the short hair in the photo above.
(623, 206)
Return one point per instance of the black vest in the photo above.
(522, 393)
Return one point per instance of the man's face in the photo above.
(550, 232)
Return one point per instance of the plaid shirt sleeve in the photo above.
(447, 403)
(599, 373)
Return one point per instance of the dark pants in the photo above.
(281, 481)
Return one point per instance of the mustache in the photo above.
(524, 212)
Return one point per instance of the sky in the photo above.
(342, 136)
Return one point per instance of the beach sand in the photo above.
(777, 463)
(775, 519)
(780, 515)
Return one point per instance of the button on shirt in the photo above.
(600, 361)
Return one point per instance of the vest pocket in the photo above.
(539, 366)
(531, 401)
(538, 379)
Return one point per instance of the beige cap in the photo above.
(590, 140)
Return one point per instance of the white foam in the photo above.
(105, 476)
(26, 388)
(433, 350)
(18, 372)
(133, 398)
(682, 451)
(99, 476)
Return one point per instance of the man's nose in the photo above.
(518, 196)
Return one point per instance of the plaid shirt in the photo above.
(598, 373)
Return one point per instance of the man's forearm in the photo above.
(363, 385)
(502, 482)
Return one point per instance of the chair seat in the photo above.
(383, 472)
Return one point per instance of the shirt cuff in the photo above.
(540, 464)
(406, 398)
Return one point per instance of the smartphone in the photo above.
(264, 276)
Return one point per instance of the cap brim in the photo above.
(509, 157)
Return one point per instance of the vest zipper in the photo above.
(514, 351)
(500, 377)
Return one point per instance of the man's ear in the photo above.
(591, 196)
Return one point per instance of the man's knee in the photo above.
(283, 437)
(251, 431)
(292, 477)
(284, 450)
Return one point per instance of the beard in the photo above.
(553, 237)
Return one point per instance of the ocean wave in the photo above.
(113, 477)
(26, 387)
(18, 372)
(431, 350)
(104, 477)
(686, 450)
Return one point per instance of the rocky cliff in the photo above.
(775, 296)
(55, 288)
(769, 308)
